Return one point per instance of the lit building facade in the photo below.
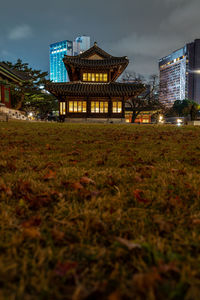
(81, 44)
(58, 50)
(180, 75)
(93, 93)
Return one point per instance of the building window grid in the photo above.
(117, 107)
(95, 77)
(77, 107)
(99, 107)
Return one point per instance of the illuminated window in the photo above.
(89, 77)
(95, 77)
(84, 106)
(77, 106)
(117, 107)
(99, 107)
(71, 106)
(84, 76)
(105, 77)
(62, 108)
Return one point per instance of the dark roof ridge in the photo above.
(21, 75)
(96, 83)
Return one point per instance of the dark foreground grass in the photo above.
(99, 212)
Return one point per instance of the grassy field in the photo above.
(99, 212)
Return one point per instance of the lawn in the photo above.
(99, 212)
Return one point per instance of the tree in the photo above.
(29, 94)
(186, 107)
(148, 100)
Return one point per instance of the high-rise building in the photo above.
(180, 74)
(81, 44)
(58, 72)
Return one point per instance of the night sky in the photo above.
(144, 30)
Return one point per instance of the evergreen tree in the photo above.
(30, 95)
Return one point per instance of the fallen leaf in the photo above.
(114, 296)
(130, 245)
(63, 268)
(50, 175)
(139, 195)
(146, 281)
(196, 221)
(77, 185)
(32, 222)
(87, 180)
(57, 235)
(32, 233)
(6, 189)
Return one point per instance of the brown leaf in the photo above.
(165, 268)
(32, 233)
(63, 268)
(87, 180)
(73, 161)
(100, 163)
(74, 153)
(146, 281)
(114, 296)
(32, 222)
(57, 235)
(196, 221)
(130, 245)
(41, 200)
(139, 195)
(50, 175)
(77, 185)
(6, 189)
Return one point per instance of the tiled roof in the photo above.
(95, 89)
(97, 63)
(21, 76)
(94, 50)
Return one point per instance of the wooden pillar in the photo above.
(109, 107)
(123, 107)
(88, 107)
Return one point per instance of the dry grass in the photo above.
(99, 212)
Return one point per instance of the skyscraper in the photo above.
(180, 74)
(58, 71)
(81, 44)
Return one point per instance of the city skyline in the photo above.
(143, 30)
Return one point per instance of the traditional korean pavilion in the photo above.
(93, 93)
(8, 77)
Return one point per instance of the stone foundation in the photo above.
(95, 120)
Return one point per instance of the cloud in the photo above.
(144, 51)
(20, 32)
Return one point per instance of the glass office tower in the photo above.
(58, 72)
(180, 75)
(81, 44)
